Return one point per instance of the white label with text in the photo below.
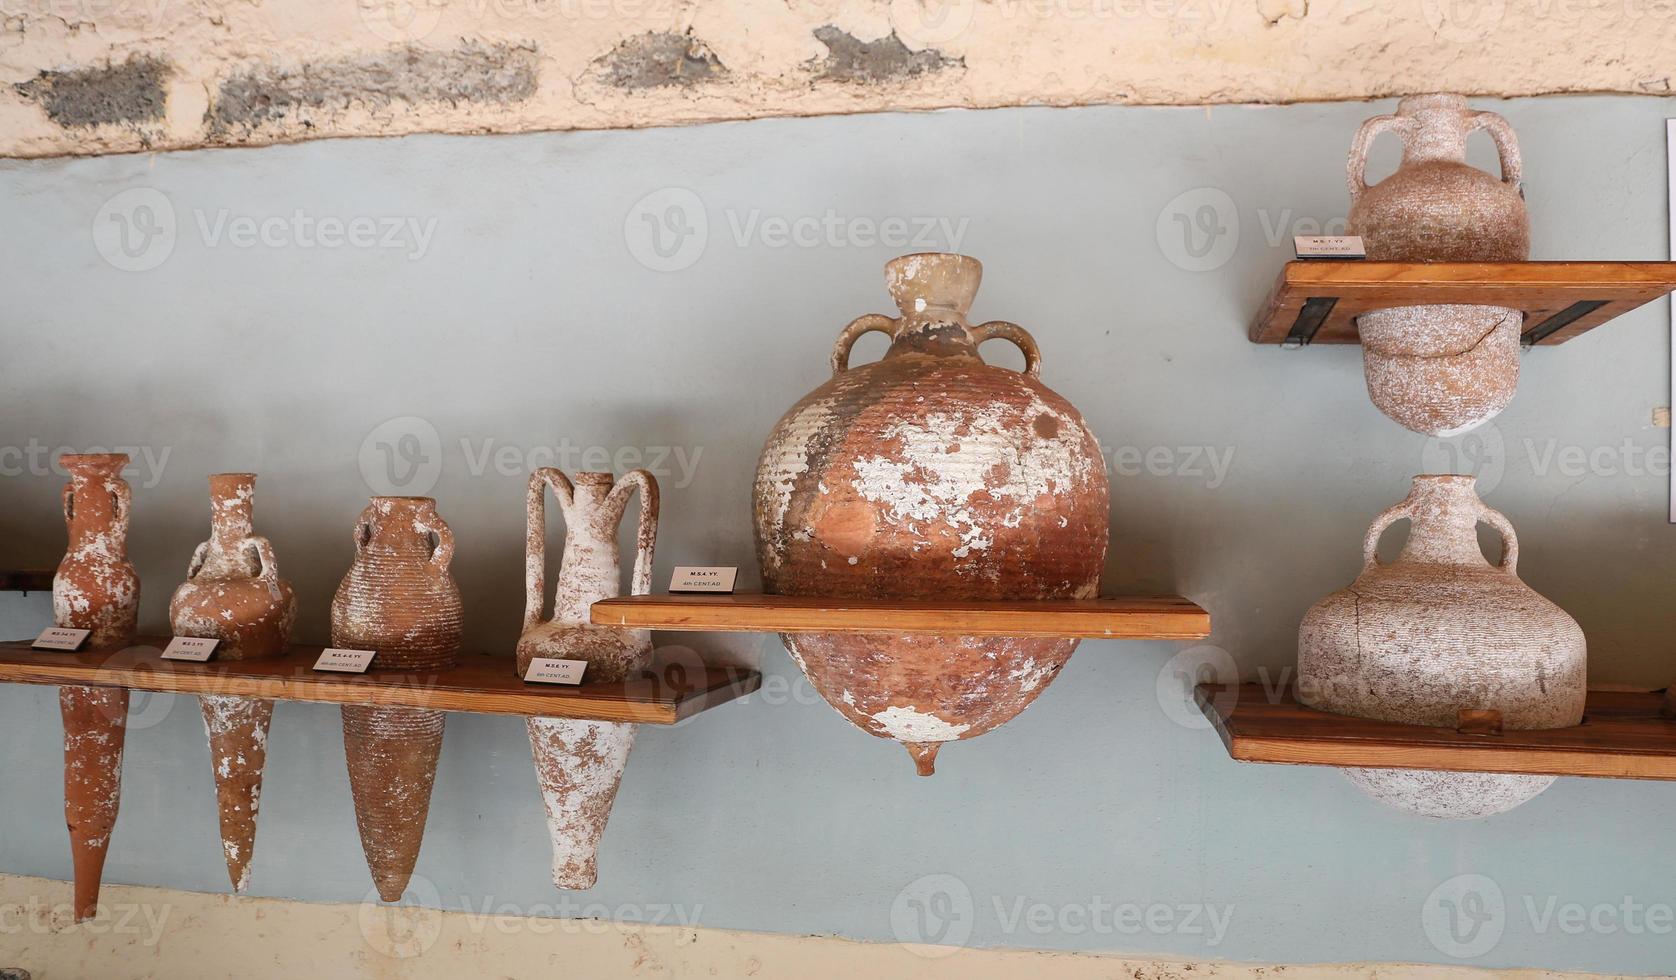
(189, 648)
(544, 671)
(1329, 246)
(345, 661)
(60, 638)
(703, 578)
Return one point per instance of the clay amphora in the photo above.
(1440, 369)
(579, 763)
(94, 589)
(399, 600)
(931, 475)
(1437, 207)
(1438, 631)
(233, 593)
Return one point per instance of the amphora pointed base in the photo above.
(392, 754)
(95, 727)
(238, 739)
(578, 765)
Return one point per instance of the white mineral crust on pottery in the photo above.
(1448, 795)
(1438, 631)
(1443, 369)
(233, 593)
(96, 589)
(238, 738)
(1437, 207)
(579, 764)
(1440, 369)
(931, 474)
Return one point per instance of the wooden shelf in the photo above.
(1624, 735)
(481, 684)
(28, 580)
(1162, 618)
(1317, 301)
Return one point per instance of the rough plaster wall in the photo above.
(96, 76)
(155, 932)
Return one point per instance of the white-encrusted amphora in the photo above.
(1439, 631)
(579, 763)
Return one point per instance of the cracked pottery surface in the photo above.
(96, 589)
(930, 474)
(233, 593)
(1444, 369)
(399, 600)
(1440, 369)
(579, 764)
(1437, 631)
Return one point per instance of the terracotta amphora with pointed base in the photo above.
(930, 474)
(94, 589)
(399, 600)
(233, 593)
(578, 763)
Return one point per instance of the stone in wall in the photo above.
(127, 94)
(659, 58)
(850, 59)
(281, 95)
